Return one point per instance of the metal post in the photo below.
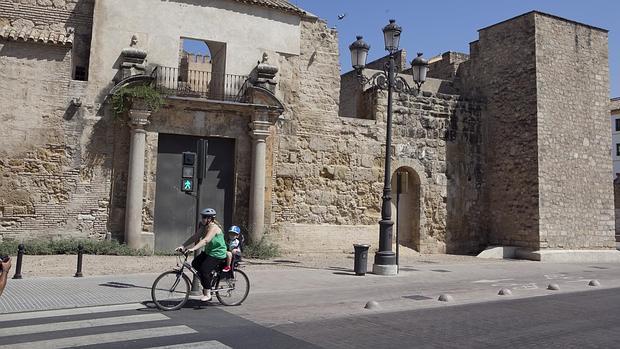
(385, 259)
(18, 268)
(399, 190)
(78, 273)
(200, 163)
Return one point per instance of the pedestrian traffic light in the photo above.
(187, 172)
(187, 184)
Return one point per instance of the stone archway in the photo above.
(409, 208)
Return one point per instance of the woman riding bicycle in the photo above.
(208, 235)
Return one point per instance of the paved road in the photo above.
(136, 326)
(574, 320)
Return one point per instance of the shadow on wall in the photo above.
(34, 51)
(407, 207)
(106, 152)
(465, 225)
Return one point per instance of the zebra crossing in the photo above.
(112, 326)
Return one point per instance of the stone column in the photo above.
(135, 178)
(259, 132)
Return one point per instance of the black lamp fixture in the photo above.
(388, 79)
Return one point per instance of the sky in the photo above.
(435, 27)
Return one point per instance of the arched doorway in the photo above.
(409, 207)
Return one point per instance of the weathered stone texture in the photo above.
(572, 74)
(58, 16)
(330, 169)
(446, 67)
(503, 76)
(54, 161)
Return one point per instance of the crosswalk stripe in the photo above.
(72, 325)
(73, 311)
(195, 345)
(72, 342)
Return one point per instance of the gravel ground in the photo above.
(65, 265)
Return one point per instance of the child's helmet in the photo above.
(234, 229)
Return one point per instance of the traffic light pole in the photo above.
(200, 163)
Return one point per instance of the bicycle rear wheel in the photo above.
(232, 290)
(170, 290)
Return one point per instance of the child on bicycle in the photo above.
(234, 246)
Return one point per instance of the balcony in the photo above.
(172, 81)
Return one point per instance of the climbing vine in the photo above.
(124, 98)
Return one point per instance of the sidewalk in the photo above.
(290, 289)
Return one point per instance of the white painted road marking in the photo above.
(65, 312)
(102, 338)
(196, 345)
(73, 325)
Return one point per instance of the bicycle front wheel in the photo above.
(232, 290)
(171, 290)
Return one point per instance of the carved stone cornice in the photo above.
(259, 129)
(139, 118)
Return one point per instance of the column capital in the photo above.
(139, 118)
(259, 129)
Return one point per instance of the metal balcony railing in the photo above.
(172, 81)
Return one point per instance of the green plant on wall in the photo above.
(123, 99)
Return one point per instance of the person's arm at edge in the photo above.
(6, 266)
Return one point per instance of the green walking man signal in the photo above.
(188, 185)
(187, 173)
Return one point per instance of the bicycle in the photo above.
(171, 289)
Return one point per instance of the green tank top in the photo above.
(216, 248)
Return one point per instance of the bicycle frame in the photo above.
(188, 266)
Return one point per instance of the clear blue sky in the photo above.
(434, 27)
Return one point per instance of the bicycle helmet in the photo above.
(234, 229)
(208, 212)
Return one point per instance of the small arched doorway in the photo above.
(407, 205)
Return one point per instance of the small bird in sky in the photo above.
(341, 16)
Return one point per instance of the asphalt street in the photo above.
(138, 326)
(588, 319)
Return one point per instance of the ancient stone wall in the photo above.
(329, 169)
(437, 135)
(447, 66)
(503, 76)
(617, 206)
(54, 158)
(59, 16)
(574, 164)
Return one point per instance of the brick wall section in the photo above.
(57, 15)
(502, 73)
(576, 193)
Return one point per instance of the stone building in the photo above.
(615, 134)
(615, 153)
(288, 147)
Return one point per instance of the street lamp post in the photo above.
(388, 79)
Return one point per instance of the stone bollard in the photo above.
(18, 267)
(78, 273)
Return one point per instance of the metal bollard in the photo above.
(18, 267)
(78, 273)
